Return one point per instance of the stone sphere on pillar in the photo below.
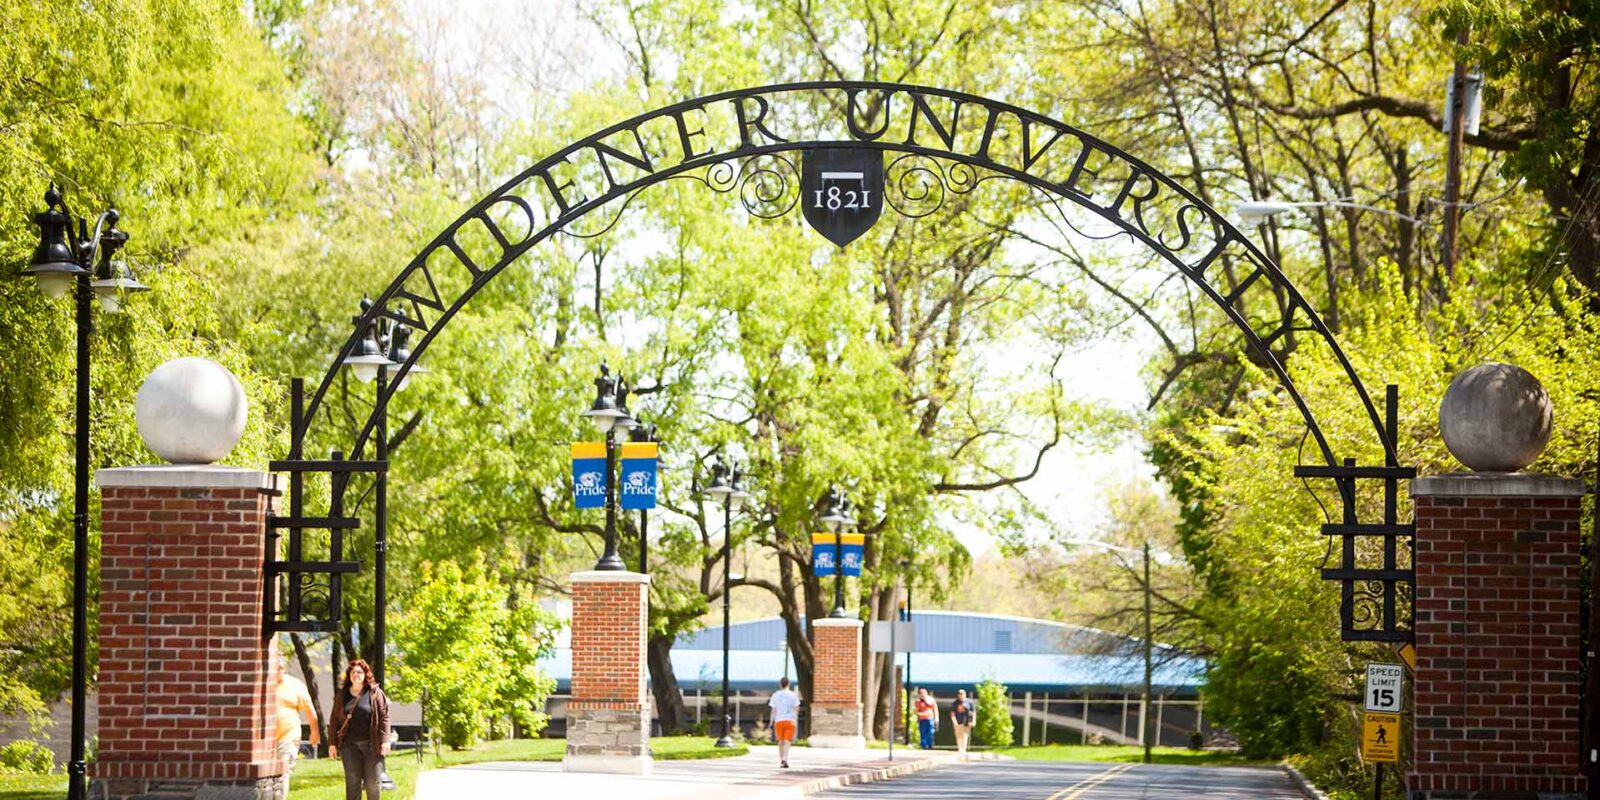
(1495, 418)
(191, 411)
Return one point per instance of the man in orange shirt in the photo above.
(293, 700)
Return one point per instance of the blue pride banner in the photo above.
(638, 481)
(822, 554)
(589, 474)
(853, 550)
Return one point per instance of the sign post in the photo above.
(892, 636)
(1380, 724)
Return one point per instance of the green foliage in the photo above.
(26, 757)
(995, 726)
(172, 112)
(472, 658)
(1277, 672)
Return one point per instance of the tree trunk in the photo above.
(664, 686)
(304, 658)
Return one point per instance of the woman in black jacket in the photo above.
(360, 730)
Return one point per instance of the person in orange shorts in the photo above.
(785, 705)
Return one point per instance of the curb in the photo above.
(1305, 786)
(875, 775)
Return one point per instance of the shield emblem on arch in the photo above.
(841, 191)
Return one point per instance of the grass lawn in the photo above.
(323, 779)
(1130, 754)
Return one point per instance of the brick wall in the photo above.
(836, 677)
(185, 667)
(1497, 604)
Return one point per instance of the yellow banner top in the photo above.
(588, 449)
(640, 449)
(854, 538)
(821, 538)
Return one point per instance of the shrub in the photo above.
(994, 727)
(473, 654)
(26, 757)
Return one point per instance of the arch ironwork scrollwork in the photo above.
(940, 143)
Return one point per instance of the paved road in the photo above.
(1038, 780)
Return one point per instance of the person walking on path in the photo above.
(927, 717)
(785, 705)
(361, 730)
(293, 700)
(963, 715)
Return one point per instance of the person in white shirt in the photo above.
(785, 705)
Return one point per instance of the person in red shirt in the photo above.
(927, 717)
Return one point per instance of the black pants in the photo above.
(360, 768)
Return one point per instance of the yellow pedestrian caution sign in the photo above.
(1380, 737)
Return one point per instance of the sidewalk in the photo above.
(755, 776)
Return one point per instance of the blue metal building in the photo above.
(1067, 683)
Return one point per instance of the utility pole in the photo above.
(1591, 741)
(1452, 184)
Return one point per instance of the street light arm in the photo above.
(1365, 207)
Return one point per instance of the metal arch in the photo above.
(1227, 236)
(414, 294)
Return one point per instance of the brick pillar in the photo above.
(608, 718)
(1496, 684)
(836, 684)
(186, 669)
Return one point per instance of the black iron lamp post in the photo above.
(384, 346)
(609, 413)
(905, 568)
(644, 433)
(88, 262)
(836, 518)
(725, 485)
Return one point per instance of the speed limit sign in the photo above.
(1384, 685)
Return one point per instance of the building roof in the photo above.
(953, 650)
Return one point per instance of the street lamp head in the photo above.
(643, 432)
(1255, 212)
(53, 263)
(737, 498)
(720, 487)
(400, 353)
(626, 421)
(113, 277)
(606, 412)
(368, 355)
(836, 511)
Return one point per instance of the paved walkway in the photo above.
(1047, 780)
(755, 776)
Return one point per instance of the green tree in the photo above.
(994, 727)
(172, 112)
(471, 659)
